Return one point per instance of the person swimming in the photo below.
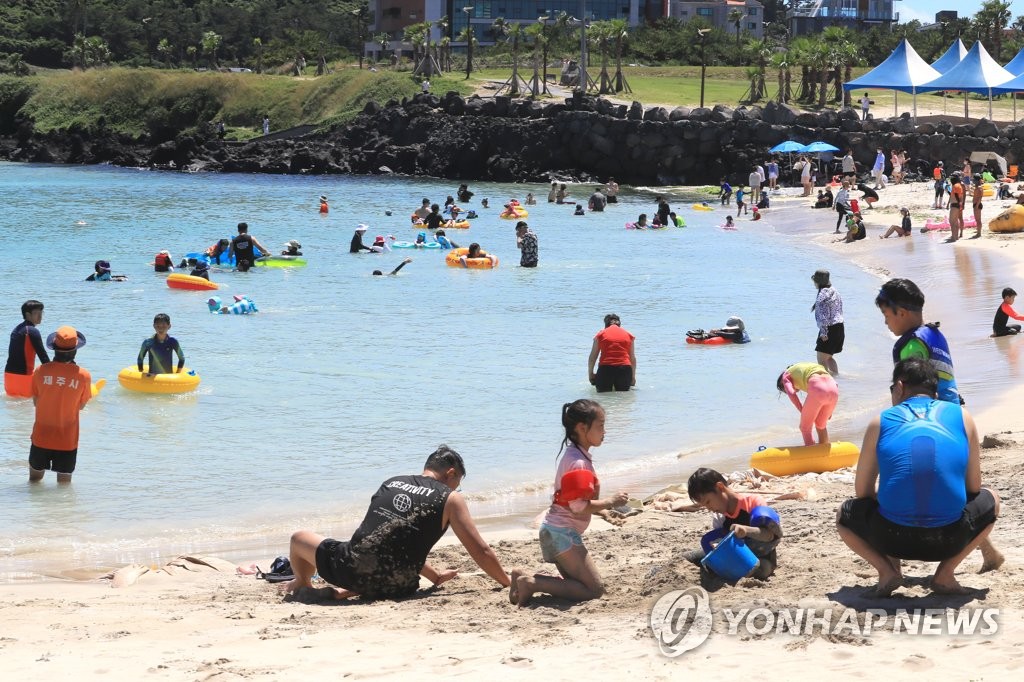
(729, 221)
(243, 305)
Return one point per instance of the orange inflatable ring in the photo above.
(179, 280)
(453, 259)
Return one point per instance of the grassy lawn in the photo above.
(680, 86)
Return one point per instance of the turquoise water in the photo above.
(344, 378)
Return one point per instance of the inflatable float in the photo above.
(515, 214)
(182, 382)
(453, 260)
(709, 341)
(1009, 221)
(178, 280)
(805, 458)
(943, 224)
(702, 207)
(414, 245)
(281, 262)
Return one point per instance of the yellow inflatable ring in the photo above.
(987, 190)
(182, 382)
(702, 207)
(1010, 220)
(805, 458)
(516, 214)
(453, 260)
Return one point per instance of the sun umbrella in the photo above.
(816, 147)
(787, 147)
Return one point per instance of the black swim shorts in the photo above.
(340, 566)
(58, 461)
(834, 344)
(613, 377)
(863, 517)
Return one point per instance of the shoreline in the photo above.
(198, 624)
(511, 511)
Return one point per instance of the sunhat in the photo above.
(362, 228)
(65, 338)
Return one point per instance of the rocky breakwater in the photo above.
(507, 139)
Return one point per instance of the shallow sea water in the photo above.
(343, 379)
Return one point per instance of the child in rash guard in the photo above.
(748, 516)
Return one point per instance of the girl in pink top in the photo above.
(576, 499)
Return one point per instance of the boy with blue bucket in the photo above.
(739, 519)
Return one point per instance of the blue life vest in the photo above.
(938, 356)
(922, 463)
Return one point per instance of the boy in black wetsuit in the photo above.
(1003, 315)
(26, 345)
(159, 348)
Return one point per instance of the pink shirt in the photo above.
(561, 517)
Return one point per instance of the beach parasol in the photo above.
(788, 146)
(818, 147)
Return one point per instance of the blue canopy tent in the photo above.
(902, 71)
(977, 72)
(950, 58)
(1016, 67)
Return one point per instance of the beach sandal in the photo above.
(280, 571)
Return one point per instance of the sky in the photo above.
(924, 10)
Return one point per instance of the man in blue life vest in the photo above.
(924, 457)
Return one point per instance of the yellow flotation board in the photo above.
(803, 459)
(1010, 220)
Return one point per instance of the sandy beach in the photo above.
(194, 622)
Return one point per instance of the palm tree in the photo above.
(841, 55)
(736, 18)
(536, 33)
(780, 61)
(416, 34)
(382, 39)
(599, 34)
(211, 41)
(468, 36)
(165, 50)
(801, 53)
(258, 44)
(441, 47)
(991, 20)
(619, 32)
(511, 33)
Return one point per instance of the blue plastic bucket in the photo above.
(732, 560)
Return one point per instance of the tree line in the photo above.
(281, 34)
